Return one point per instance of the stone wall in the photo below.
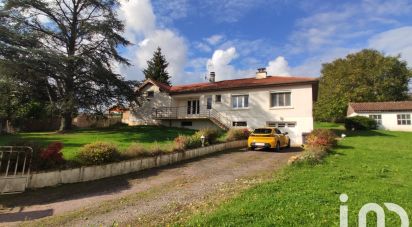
(90, 173)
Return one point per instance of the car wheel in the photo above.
(251, 148)
(277, 148)
(288, 146)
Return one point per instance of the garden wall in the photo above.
(89, 173)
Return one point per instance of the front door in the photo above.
(209, 100)
(193, 107)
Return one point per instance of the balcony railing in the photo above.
(170, 113)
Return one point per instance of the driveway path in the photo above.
(141, 196)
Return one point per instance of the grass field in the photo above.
(369, 167)
(122, 136)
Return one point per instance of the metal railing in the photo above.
(15, 164)
(188, 113)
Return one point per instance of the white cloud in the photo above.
(220, 63)
(142, 29)
(138, 16)
(214, 39)
(394, 42)
(173, 47)
(332, 26)
(278, 67)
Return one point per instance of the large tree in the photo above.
(69, 45)
(157, 68)
(366, 76)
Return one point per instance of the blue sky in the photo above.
(234, 37)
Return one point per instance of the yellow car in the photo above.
(269, 138)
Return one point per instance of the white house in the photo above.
(395, 116)
(283, 102)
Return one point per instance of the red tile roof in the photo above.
(241, 84)
(380, 106)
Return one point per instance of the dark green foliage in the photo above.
(70, 56)
(360, 123)
(157, 68)
(366, 76)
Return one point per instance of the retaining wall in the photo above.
(89, 173)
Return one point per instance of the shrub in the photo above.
(194, 141)
(180, 143)
(98, 153)
(52, 157)
(325, 138)
(156, 149)
(211, 135)
(318, 143)
(135, 150)
(360, 123)
(237, 134)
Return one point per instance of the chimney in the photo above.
(212, 77)
(261, 73)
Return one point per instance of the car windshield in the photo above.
(262, 131)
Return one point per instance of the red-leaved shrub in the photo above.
(52, 156)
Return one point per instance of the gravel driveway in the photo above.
(142, 197)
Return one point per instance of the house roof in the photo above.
(238, 84)
(381, 106)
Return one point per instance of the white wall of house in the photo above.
(389, 120)
(295, 119)
(143, 115)
(259, 112)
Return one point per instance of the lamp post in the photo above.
(202, 139)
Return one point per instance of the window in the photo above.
(150, 94)
(240, 101)
(404, 119)
(282, 124)
(239, 124)
(186, 123)
(377, 118)
(278, 131)
(218, 98)
(262, 131)
(279, 99)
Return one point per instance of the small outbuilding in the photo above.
(394, 116)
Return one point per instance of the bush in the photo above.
(180, 143)
(237, 134)
(52, 157)
(211, 135)
(135, 150)
(318, 143)
(324, 138)
(98, 153)
(360, 123)
(194, 141)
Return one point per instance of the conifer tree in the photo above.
(157, 68)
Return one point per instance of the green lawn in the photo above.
(122, 136)
(329, 125)
(369, 167)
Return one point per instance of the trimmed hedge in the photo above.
(360, 123)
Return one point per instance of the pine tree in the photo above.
(157, 68)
